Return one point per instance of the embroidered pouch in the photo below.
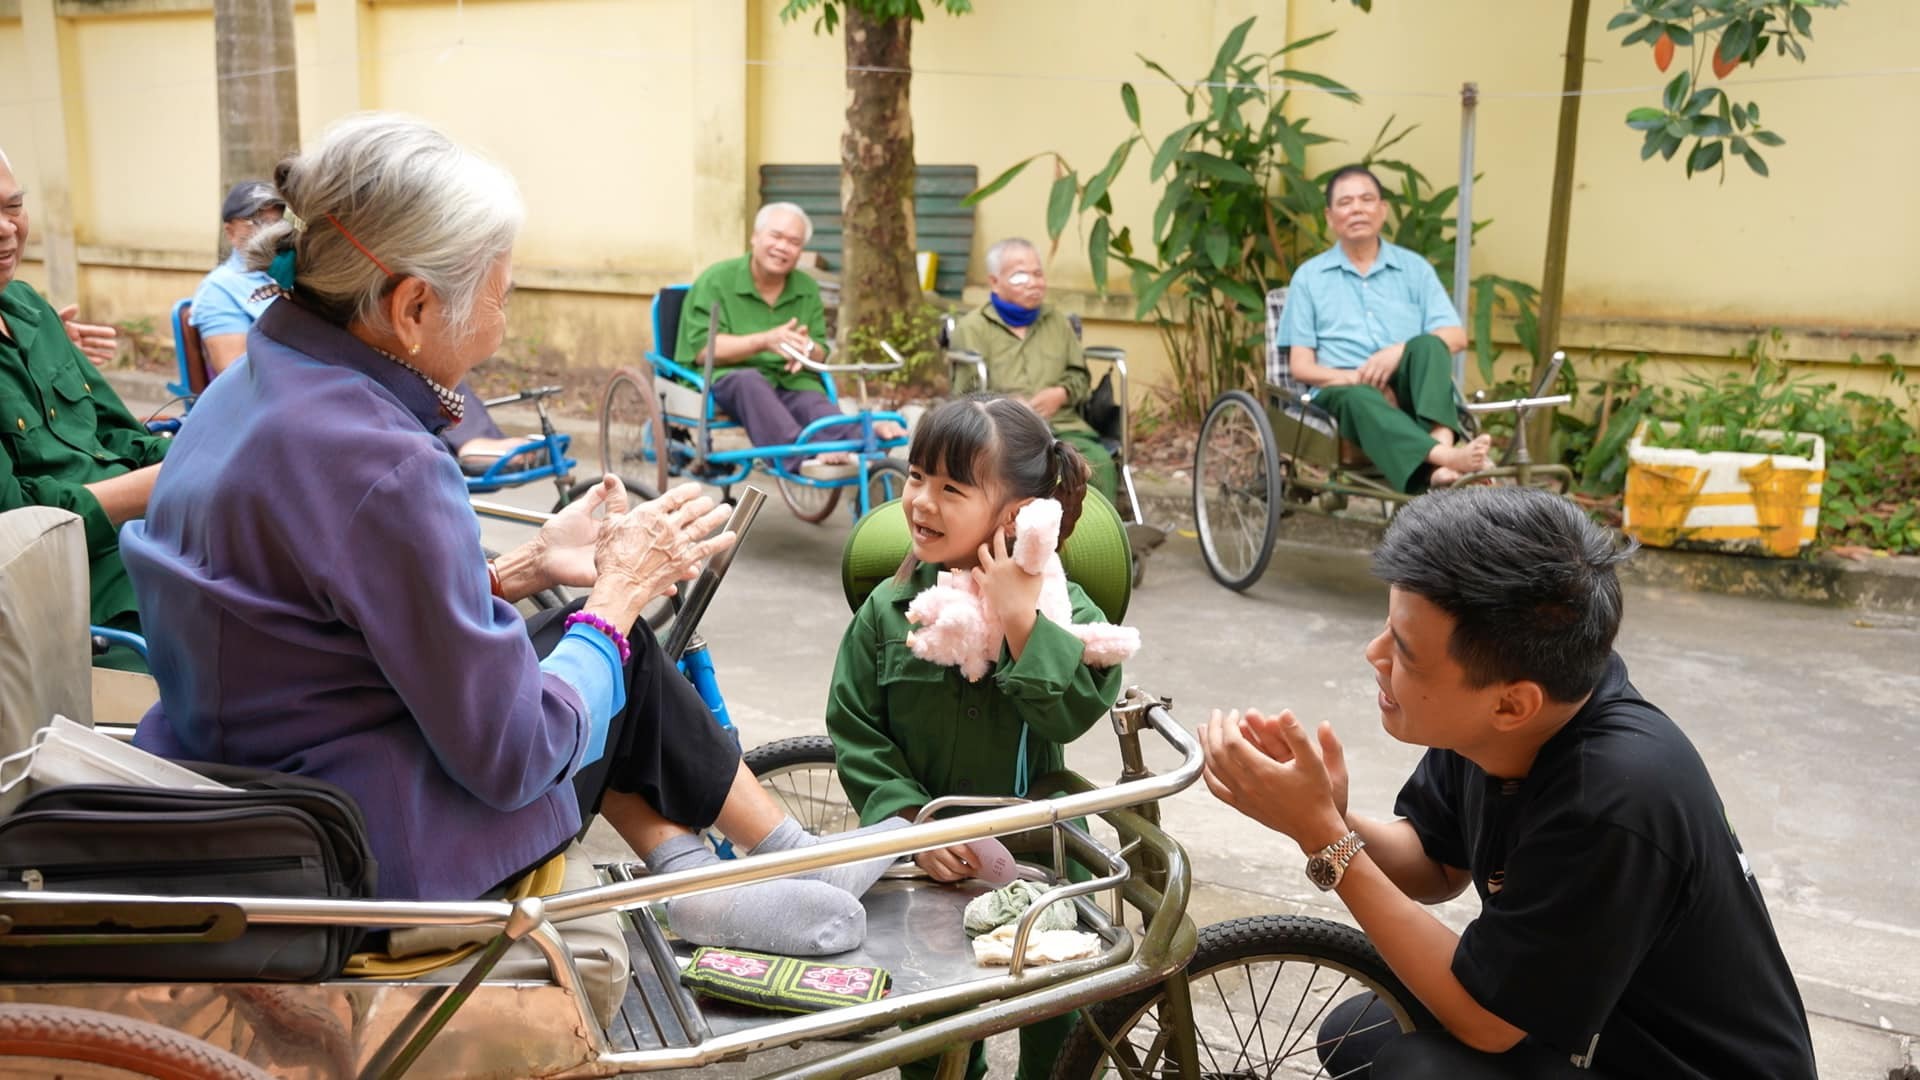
(782, 983)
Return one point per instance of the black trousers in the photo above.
(1359, 1040)
(664, 746)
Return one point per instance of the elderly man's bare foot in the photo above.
(887, 429)
(1459, 459)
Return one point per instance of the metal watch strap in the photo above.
(1336, 856)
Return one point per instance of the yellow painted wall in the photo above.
(596, 107)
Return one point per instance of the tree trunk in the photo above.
(258, 93)
(1553, 279)
(879, 285)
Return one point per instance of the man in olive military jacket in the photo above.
(67, 439)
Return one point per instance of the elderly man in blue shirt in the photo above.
(231, 297)
(1368, 325)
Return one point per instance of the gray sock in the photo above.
(789, 916)
(854, 878)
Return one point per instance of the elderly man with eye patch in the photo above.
(1032, 352)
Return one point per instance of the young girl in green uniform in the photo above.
(907, 731)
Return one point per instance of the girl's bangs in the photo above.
(955, 440)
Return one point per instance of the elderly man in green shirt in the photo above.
(1032, 352)
(770, 317)
(67, 439)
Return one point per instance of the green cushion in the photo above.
(1096, 557)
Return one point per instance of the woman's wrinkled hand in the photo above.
(645, 551)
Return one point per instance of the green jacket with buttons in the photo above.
(62, 427)
(907, 731)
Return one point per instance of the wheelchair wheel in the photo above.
(808, 503)
(638, 491)
(633, 435)
(61, 1041)
(886, 479)
(1260, 989)
(800, 775)
(1237, 488)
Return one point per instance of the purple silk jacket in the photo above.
(315, 596)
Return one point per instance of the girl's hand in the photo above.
(948, 863)
(1014, 593)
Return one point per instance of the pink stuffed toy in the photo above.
(957, 629)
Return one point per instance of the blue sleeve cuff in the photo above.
(587, 660)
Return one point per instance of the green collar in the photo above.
(924, 576)
(744, 285)
(22, 314)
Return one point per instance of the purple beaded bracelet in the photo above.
(588, 618)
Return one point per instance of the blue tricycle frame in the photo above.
(671, 406)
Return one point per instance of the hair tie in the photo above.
(281, 269)
(299, 223)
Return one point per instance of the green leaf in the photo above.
(1293, 149)
(1339, 89)
(1705, 156)
(1680, 34)
(1218, 167)
(1676, 91)
(1802, 21)
(1711, 127)
(1151, 295)
(1098, 239)
(1699, 101)
(1102, 180)
(1625, 18)
(1241, 293)
(1756, 162)
(1175, 142)
(1217, 246)
(1740, 117)
(1646, 118)
(1651, 145)
(1301, 44)
(1734, 41)
(1060, 203)
(1768, 138)
(1230, 49)
(973, 197)
(1131, 100)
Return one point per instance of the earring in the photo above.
(414, 350)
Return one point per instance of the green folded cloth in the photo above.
(1005, 904)
(781, 983)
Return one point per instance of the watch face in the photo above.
(1321, 871)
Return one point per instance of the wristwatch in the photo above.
(1327, 866)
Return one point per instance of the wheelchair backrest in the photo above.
(189, 351)
(1279, 370)
(44, 653)
(1096, 557)
(667, 304)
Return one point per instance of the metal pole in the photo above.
(1463, 231)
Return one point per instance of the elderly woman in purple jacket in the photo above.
(311, 576)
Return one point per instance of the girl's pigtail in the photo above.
(1070, 485)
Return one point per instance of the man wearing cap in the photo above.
(769, 318)
(232, 296)
(1032, 352)
(65, 438)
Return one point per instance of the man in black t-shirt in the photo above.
(1621, 931)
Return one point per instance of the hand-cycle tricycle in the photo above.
(1258, 459)
(660, 423)
(584, 982)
